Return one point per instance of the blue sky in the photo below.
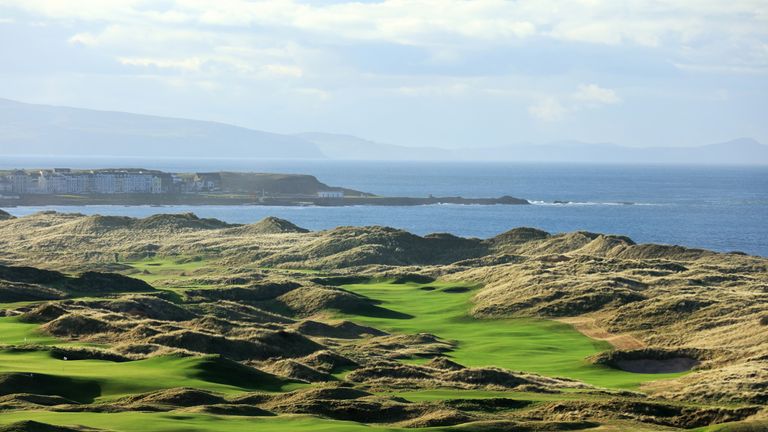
(434, 73)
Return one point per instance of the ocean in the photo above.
(724, 208)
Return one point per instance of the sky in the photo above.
(442, 73)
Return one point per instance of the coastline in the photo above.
(232, 199)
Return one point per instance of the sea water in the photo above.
(723, 208)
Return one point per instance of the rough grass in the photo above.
(533, 345)
(667, 297)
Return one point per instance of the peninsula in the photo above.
(137, 186)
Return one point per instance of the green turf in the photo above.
(153, 270)
(118, 379)
(15, 332)
(541, 346)
(535, 345)
(742, 426)
(189, 422)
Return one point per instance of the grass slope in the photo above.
(120, 379)
(176, 422)
(15, 332)
(534, 345)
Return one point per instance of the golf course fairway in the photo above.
(524, 344)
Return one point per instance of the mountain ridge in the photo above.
(37, 129)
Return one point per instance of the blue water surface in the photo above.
(723, 208)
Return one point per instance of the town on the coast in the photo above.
(138, 186)
(105, 181)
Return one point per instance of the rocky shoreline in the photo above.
(225, 199)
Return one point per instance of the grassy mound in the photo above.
(141, 307)
(252, 294)
(43, 313)
(236, 311)
(30, 275)
(97, 282)
(175, 222)
(171, 398)
(340, 330)
(354, 246)
(17, 292)
(224, 371)
(309, 300)
(328, 361)
(33, 426)
(75, 325)
(268, 225)
(83, 391)
(299, 371)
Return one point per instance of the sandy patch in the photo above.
(588, 327)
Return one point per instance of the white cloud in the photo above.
(548, 56)
(283, 70)
(188, 64)
(586, 96)
(439, 90)
(83, 39)
(594, 94)
(548, 109)
(314, 93)
(697, 33)
(426, 21)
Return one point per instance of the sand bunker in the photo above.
(653, 366)
(652, 360)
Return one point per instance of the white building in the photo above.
(5, 186)
(21, 182)
(51, 183)
(330, 194)
(61, 181)
(77, 183)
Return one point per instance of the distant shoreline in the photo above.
(223, 199)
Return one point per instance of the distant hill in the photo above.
(348, 147)
(737, 151)
(28, 129)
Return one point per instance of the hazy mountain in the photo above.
(337, 146)
(737, 151)
(27, 129)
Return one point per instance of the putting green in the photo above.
(534, 345)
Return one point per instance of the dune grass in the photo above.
(533, 345)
